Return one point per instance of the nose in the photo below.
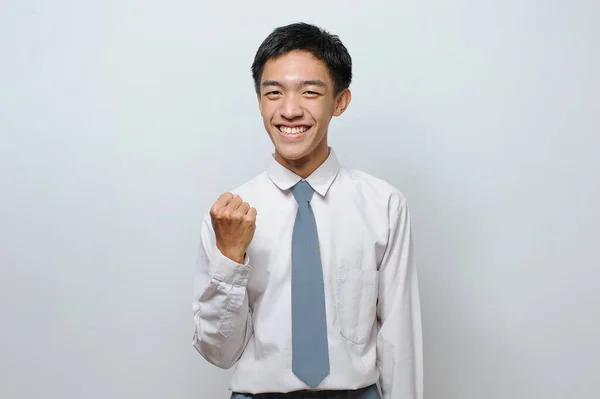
(291, 107)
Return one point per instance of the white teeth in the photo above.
(293, 130)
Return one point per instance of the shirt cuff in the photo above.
(228, 271)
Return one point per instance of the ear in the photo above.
(342, 102)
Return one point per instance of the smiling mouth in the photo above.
(293, 130)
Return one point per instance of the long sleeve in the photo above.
(399, 343)
(222, 318)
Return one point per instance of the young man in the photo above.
(306, 274)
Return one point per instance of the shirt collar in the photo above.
(320, 180)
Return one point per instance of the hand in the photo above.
(234, 222)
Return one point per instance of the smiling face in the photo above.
(297, 101)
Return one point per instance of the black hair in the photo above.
(302, 36)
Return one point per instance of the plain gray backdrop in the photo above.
(122, 121)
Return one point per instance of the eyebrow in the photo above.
(315, 82)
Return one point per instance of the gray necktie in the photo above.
(310, 355)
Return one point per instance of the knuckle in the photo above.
(224, 214)
(240, 216)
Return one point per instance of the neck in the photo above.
(305, 166)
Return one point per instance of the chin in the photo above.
(291, 154)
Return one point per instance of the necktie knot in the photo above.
(302, 191)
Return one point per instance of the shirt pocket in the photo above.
(356, 301)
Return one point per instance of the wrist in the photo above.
(234, 254)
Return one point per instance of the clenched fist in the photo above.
(234, 222)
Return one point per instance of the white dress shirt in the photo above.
(242, 312)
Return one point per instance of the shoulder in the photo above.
(252, 187)
(373, 187)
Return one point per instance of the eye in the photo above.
(311, 93)
(273, 93)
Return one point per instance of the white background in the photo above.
(122, 121)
